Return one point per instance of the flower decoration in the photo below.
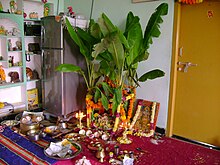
(190, 1)
(44, 1)
(70, 11)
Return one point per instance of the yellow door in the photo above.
(197, 100)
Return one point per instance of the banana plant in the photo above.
(117, 53)
(140, 44)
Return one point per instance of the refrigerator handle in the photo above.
(42, 34)
(42, 66)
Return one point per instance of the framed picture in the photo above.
(137, 1)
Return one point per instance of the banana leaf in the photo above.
(115, 48)
(133, 33)
(104, 44)
(83, 48)
(94, 29)
(69, 68)
(153, 25)
(151, 75)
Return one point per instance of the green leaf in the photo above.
(106, 56)
(104, 44)
(114, 104)
(118, 54)
(152, 29)
(104, 101)
(86, 36)
(142, 57)
(94, 29)
(106, 25)
(151, 75)
(68, 68)
(83, 49)
(116, 46)
(104, 68)
(123, 39)
(97, 95)
(118, 94)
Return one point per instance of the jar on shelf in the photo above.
(33, 15)
(13, 6)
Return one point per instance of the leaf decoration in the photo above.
(104, 44)
(104, 101)
(83, 49)
(152, 29)
(68, 68)
(116, 46)
(133, 33)
(97, 96)
(151, 75)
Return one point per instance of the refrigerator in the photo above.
(62, 93)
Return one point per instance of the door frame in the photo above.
(173, 74)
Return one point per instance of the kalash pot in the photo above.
(30, 122)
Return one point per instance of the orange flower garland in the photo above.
(128, 93)
(190, 1)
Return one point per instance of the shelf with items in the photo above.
(32, 40)
(12, 62)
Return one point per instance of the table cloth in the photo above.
(18, 150)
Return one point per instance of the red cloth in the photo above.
(169, 151)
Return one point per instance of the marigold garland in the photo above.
(128, 94)
(190, 2)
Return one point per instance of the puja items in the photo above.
(30, 121)
(64, 149)
(34, 135)
(100, 154)
(80, 116)
(83, 161)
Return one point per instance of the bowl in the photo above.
(27, 127)
(10, 123)
(34, 135)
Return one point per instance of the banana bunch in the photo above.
(2, 105)
(190, 1)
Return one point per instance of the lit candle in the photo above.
(80, 116)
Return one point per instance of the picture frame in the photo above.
(138, 1)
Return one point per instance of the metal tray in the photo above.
(68, 156)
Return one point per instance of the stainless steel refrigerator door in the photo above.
(52, 33)
(52, 82)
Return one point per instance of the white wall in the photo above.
(160, 51)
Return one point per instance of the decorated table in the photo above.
(17, 149)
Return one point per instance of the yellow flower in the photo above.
(2, 105)
(88, 96)
(123, 118)
(96, 115)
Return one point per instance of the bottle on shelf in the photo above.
(10, 48)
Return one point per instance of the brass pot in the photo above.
(24, 128)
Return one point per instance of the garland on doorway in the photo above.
(190, 2)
